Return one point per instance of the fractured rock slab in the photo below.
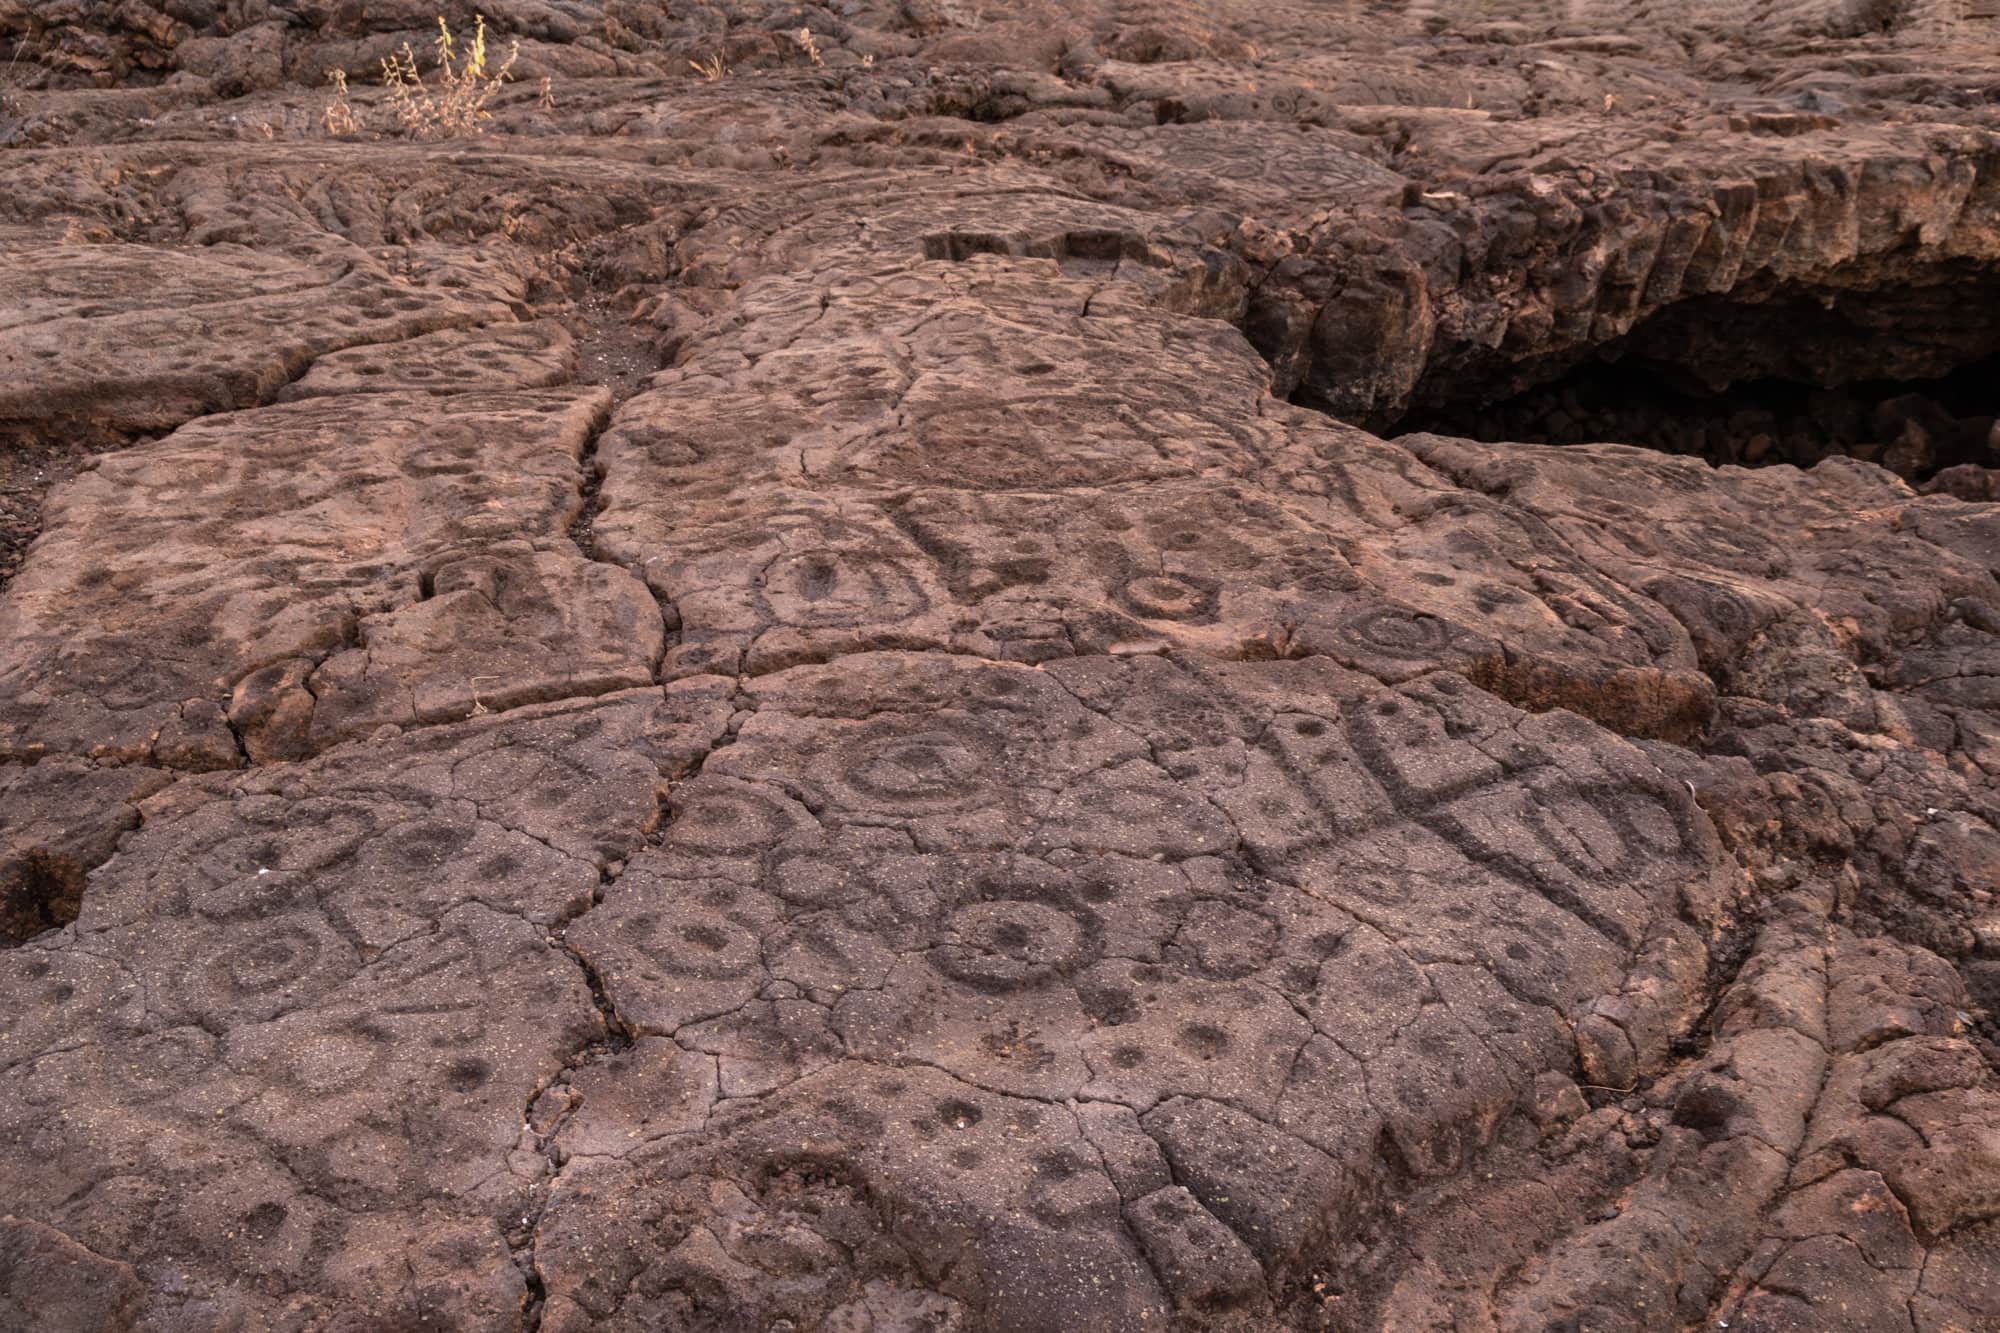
(1120, 848)
(263, 1050)
(947, 492)
(300, 574)
(491, 358)
(135, 338)
(926, 896)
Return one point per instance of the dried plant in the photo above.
(339, 117)
(710, 69)
(479, 705)
(468, 84)
(807, 44)
(547, 100)
(10, 105)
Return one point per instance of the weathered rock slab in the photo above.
(259, 585)
(848, 674)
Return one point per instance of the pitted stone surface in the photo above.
(494, 357)
(982, 873)
(260, 1050)
(764, 701)
(363, 561)
(1037, 518)
(133, 338)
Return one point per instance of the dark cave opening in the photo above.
(1895, 367)
(1913, 427)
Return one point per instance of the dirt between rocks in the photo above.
(865, 680)
(29, 469)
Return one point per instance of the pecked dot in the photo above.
(468, 1074)
(1203, 1041)
(959, 1115)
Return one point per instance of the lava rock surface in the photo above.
(809, 687)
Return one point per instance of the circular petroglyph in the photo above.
(261, 968)
(419, 845)
(467, 1074)
(924, 770)
(728, 821)
(1393, 632)
(839, 589)
(1176, 597)
(264, 964)
(163, 1063)
(1202, 1041)
(1008, 944)
(1019, 932)
(700, 943)
(113, 277)
(959, 1115)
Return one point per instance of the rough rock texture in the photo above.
(368, 561)
(834, 691)
(137, 338)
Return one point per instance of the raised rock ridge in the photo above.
(832, 691)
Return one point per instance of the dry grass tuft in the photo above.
(466, 85)
(10, 105)
(339, 117)
(710, 69)
(458, 108)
